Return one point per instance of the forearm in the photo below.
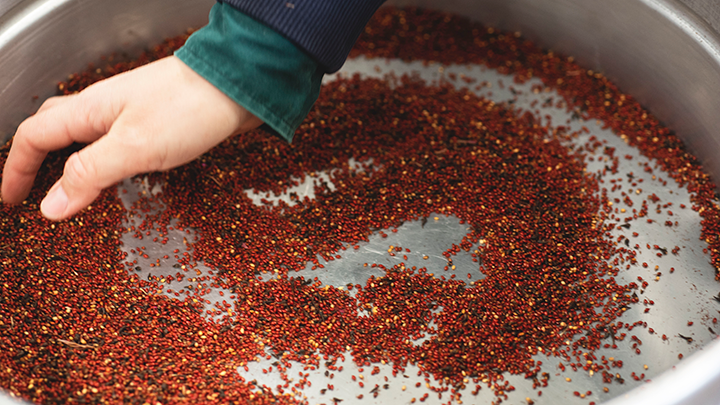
(270, 56)
(256, 67)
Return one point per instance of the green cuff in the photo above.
(255, 66)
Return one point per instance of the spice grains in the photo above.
(88, 328)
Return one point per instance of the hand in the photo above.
(156, 117)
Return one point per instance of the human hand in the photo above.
(153, 118)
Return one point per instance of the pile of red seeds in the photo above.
(87, 328)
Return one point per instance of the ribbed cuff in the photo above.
(255, 66)
(325, 29)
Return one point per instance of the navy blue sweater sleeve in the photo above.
(325, 29)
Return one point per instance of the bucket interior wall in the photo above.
(661, 52)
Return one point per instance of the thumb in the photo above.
(86, 173)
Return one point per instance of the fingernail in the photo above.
(55, 203)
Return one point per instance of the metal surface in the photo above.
(41, 42)
(707, 10)
(658, 51)
(680, 297)
(6, 5)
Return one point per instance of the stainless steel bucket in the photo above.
(660, 51)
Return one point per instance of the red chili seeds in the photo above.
(86, 327)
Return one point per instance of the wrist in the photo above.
(256, 67)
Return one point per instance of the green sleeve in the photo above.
(255, 66)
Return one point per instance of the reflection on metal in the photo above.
(685, 295)
(656, 50)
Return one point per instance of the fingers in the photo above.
(75, 190)
(53, 101)
(59, 122)
(156, 117)
(90, 170)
